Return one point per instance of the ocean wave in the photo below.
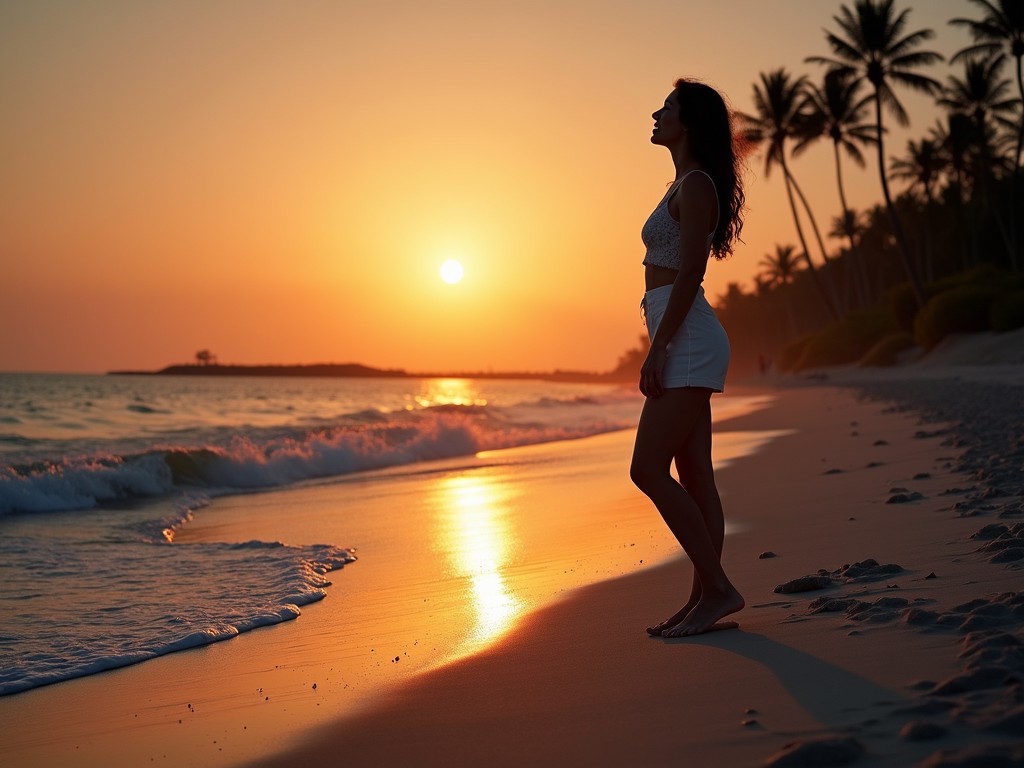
(82, 483)
(202, 604)
(553, 402)
(267, 458)
(14, 439)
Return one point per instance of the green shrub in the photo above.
(959, 310)
(847, 340)
(886, 352)
(791, 353)
(902, 305)
(984, 275)
(1007, 311)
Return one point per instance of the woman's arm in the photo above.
(696, 208)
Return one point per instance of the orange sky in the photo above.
(279, 182)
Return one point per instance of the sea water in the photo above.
(98, 472)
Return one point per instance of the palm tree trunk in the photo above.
(857, 277)
(829, 274)
(965, 241)
(814, 222)
(983, 171)
(1016, 173)
(929, 235)
(803, 243)
(842, 192)
(894, 220)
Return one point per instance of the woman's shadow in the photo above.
(834, 696)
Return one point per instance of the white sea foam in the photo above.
(90, 606)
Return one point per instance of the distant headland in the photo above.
(356, 370)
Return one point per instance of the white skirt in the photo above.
(698, 354)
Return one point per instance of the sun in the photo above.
(451, 271)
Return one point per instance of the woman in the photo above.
(699, 215)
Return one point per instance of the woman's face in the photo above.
(668, 123)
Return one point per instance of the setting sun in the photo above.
(451, 271)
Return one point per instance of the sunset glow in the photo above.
(274, 183)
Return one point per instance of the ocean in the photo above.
(97, 473)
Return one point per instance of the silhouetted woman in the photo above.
(700, 215)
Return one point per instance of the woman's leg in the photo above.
(673, 426)
(696, 474)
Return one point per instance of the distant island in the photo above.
(207, 364)
(356, 370)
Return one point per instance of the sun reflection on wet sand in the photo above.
(475, 537)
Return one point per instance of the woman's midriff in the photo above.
(655, 277)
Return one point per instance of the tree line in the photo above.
(953, 226)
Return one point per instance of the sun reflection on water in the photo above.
(448, 392)
(476, 538)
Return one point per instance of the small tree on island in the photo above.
(205, 357)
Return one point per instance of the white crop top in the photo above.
(661, 232)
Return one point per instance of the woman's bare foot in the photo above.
(710, 609)
(676, 618)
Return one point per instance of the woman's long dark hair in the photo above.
(706, 117)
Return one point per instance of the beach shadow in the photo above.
(834, 696)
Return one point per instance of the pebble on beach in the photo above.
(851, 573)
(922, 731)
(819, 753)
(904, 498)
(804, 584)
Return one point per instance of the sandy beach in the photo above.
(510, 628)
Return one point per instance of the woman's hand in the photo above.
(651, 372)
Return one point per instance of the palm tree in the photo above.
(875, 47)
(1001, 28)
(849, 225)
(781, 267)
(982, 95)
(779, 119)
(922, 167)
(956, 141)
(837, 110)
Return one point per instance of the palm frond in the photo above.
(916, 82)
